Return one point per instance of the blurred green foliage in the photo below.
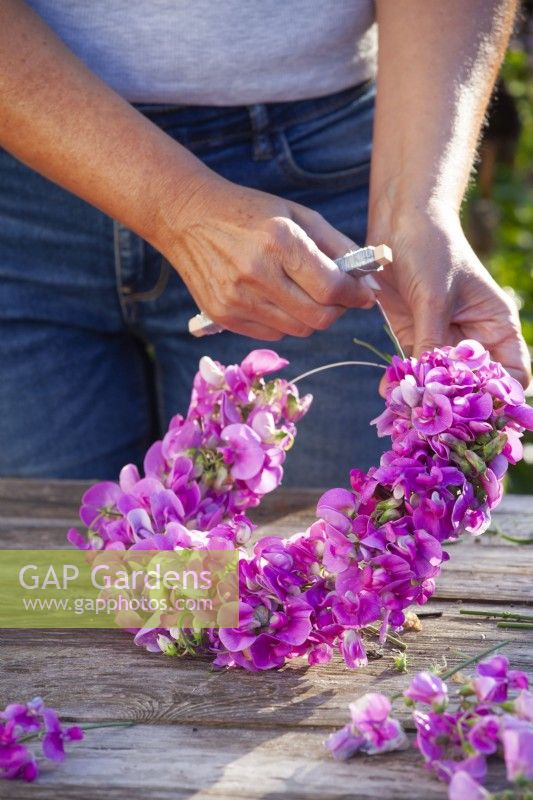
(510, 258)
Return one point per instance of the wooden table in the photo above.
(226, 735)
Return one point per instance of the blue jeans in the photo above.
(94, 361)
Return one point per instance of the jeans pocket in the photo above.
(331, 149)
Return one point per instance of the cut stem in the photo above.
(389, 637)
(385, 356)
(390, 333)
(474, 659)
(337, 364)
(91, 727)
(504, 615)
(516, 539)
(505, 625)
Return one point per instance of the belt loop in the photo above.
(262, 147)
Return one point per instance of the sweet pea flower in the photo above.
(16, 762)
(55, 736)
(523, 705)
(211, 372)
(494, 679)
(517, 738)
(261, 362)
(352, 649)
(244, 450)
(428, 688)
(25, 716)
(464, 787)
(371, 715)
(344, 743)
(484, 736)
(434, 415)
(22, 721)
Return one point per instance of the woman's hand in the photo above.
(437, 292)
(256, 264)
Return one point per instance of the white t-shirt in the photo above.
(219, 52)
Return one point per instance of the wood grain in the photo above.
(205, 734)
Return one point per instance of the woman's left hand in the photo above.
(437, 292)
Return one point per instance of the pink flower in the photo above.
(211, 372)
(523, 705)
(484, 736)
(517, 740)
(352, 649)
(494, 679)
(247, 455)
(434, 415)
(370, 715)
(261, 362)
(464, 787)
(344, 743)
(428, 688)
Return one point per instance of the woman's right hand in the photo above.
(257, 264)
(254, 263)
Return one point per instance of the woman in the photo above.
(234, 139)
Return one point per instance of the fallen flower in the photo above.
(20, 723)
(455, 735)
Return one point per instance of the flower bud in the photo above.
(211, 372)
(475, 461)
(166, 645)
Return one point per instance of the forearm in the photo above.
(437, 66)
(61, 120)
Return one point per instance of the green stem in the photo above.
(516, 539)
(505, 615)
(95, 725)
(467, 663)
(475, 659)
(90, 727)
(337, 364)
(385, 356)
(521, 625)
(390, 333)
(389, 637)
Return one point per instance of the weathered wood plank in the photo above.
(232, 734)
(102, 675)
(473, 573)
(181, 761)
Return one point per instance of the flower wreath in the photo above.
(455, 418)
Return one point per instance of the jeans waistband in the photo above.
(227, 123)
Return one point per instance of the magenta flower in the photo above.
(494, 680)
(372, 729)
(370, 715)
(26, 716)
(21, 722)
(261, 362)
(55, 736)
(16, 762)
(244, 447)
(523, 705)
(464, 787)
(434, 415)
(352, 649)
(428, 688)
(344, 743)
(517, 740)
(484, 736)
(98, 502)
